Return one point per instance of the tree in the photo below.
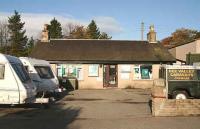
(73, 31)
(30, 45)
(4, 33)
(17, 35)
(78, 33)
(167, 41)
(197, 35)
(104, 36)
(55, 29)
(68, 28)
(4, 36)
(180, 36)
(92, 31)
(183, 35)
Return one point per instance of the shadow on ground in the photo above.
(23, 117)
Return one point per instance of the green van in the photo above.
(181, 81)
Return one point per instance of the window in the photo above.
(2, 71)
(162, 73)
(142, 72)
(26, 68)
(94, 70)
(21, 72)
(146, 71)
(136, 72)
(70, 70)
(44, 72)
(198, 74)
(79, 73)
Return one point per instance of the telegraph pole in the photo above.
(142, 31)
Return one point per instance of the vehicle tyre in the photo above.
(180, 95)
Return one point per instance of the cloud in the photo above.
(34, 22)
(108, 24)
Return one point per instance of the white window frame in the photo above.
(93, 70)
(140, 74)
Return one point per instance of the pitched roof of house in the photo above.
(102, 51)
(179, 44)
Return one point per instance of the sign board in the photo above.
(182, 74)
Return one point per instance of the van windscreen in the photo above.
(44, 72)
(21, 72)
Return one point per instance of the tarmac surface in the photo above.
(94, 109)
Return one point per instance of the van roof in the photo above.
(181, 67)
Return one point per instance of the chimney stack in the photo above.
(151, 36)
(45, 34)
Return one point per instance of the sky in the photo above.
(119, 18)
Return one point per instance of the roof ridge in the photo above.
(99, 40)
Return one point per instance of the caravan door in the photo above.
(9, 90)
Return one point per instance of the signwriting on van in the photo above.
(181, 74)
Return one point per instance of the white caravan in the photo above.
(16, 87)
(42, 75)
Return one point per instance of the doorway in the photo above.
(110, 78)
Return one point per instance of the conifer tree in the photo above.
(92, 31)
(55, 29)
(30, 45)
(18, 39)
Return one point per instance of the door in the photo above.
(9, 92)
(110, 76)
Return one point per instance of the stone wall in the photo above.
(161, 106)
(171, 107)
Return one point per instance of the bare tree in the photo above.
(69, 28)
(4, 35)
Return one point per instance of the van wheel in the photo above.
(180, 95)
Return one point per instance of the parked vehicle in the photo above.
(42, 75)
(16, 87)
(182, 81)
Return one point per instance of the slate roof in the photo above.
(102, 51)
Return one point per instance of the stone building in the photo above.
(98, 64)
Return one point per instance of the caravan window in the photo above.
(2, 71)
(44, 72)
(21, 72)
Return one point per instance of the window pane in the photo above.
(146, 72)
(21, 72)
(44, 72)
(198, 74)
(2, 71)
(94, 70)
(136, 74)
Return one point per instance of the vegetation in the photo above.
(89, 32)
(18, 39)
(55, 29)
(92, 31)
(181, 36)
(13, 40)
(30, 46)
